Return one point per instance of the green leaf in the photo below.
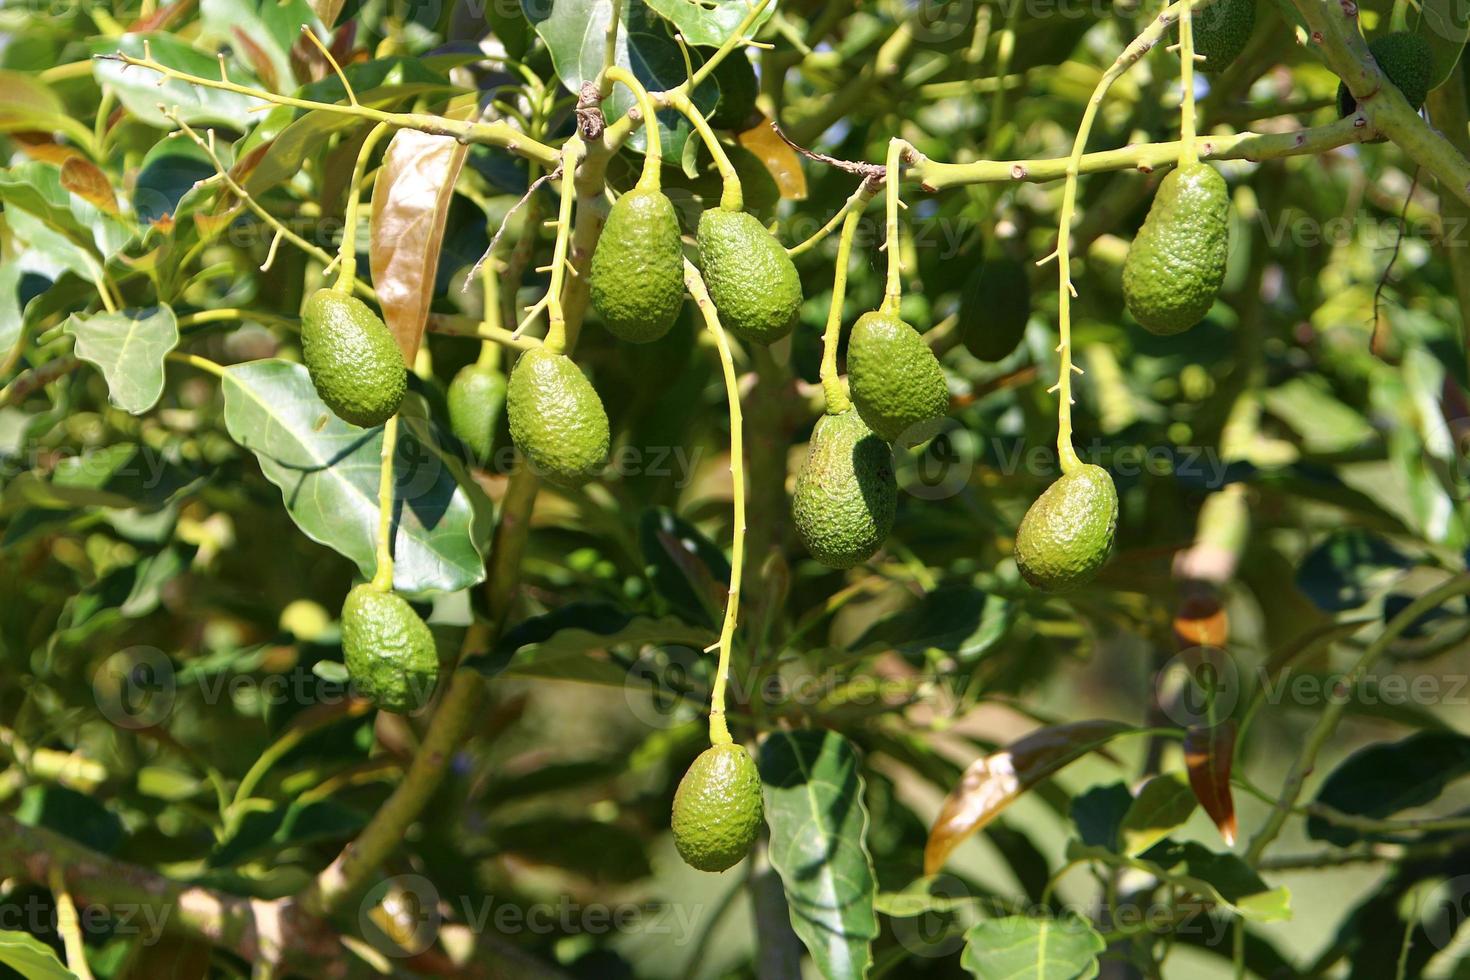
(1098, 814)
(1162, 804)
(956, 619)
(685, 567)
(129, 349)
(814, 807)
(1445, 24)
(36, 188)
(169, 171)
(10, 317)
(1348, 568)
(1380, 780)
(271, 27)
(1223, 877)
(328, 474)
(139, 91)
(30, 957)
(1020, 947)
(708, 24)
(76, 815)
(1325, 424)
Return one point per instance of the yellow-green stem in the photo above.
(893, 293)
(1188, 153)
(383, 575)
(732, 198)
(347, 253)
(653, 152)
(69, 926)
(859, 200)
(556, 324)
(610, 49)
(193, 360)
(719, 732)
(832, 386)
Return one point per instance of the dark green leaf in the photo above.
(1380, 780)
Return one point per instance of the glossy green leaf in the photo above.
(129, 349)
(709, 24)
(1020, 947)
(956, 619)
(139, 91)
(30, 957)
(328, 474)
(814, 807)
(1162, 804)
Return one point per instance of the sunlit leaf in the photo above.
(129, 349)
(84, 180)
(140, 91)
(1162, 804)
(779, 158)
(30, 957)
(1021, 947)
(1208, 753)
(708, 24)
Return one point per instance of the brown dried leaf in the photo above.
(778, 156)
(1201, 622)
(260, 62)
(410, 202)
(40, 146)
(327, 10)
(993, 782)
(83, 179)
(1208, 753)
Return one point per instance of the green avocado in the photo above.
(995, 305)
(1177, 262)
(896, 380)
(476, 399)
(750, 277)
(352, 358)
(1067, 534)
(735, 77)
(717, 808)
(556, 419)
(1221, 32)
(845, 493)
(1407, 61)
(389, 650)
(637, 278)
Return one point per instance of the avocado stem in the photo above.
(556, 322)
(653, 151)
(383, 574)
(347, 251)
(893, 292)
(1188, 151)
(732, 198)
(859, 200)
(833, 389)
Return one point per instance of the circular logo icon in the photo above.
(935, 21)
(135, 688)
(1199, 686)
(940, 462)
(1445, 910)
(400, 915)
(930, 926)
(658, 684)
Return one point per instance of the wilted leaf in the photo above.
(993, 782)
(1162, 804)
(779, 158)
(410, 203)
(1208, 753)
(814, 807)
(129, 349)
(1022, 947)
(83, 179)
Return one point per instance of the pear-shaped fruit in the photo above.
(637, 277)
(1067, 534)
(353, 360)
(476, 400)
(388, 649)
(750, 277)
(845, 493)
(995, 306)
(897, 383)
(1407, 61)
(1177, 262)
(556, 419)
(1221, 32)
(717, 808)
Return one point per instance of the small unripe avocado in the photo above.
(735, 77)
(717, 808)
(1177, 262)
(476, 399)
(751, 279)
(1408, 63)
(637, 277)
(556, 419)
(995, 305)
(845, 493)
(1221, 32)
(353, 360)
(1067, 534)
(896, 380)
(388, 649)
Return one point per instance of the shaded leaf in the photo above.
(1162, 804)
(993, 782)
(1445, 24)
(1346, 569)
(129, 349)
(684, 566)
(1223, 877)
(411, 198)
(956, 618)
(1208, 753)
(814, 807)
(1380, 780)
(1098, 814)
(1022, 947)
(70, 813)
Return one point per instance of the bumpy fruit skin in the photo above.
(389, 650)
(556, 418)
(717, 808)
(1407, 61)
(1067, 534)
(476, 400)
(896, 380)
(735, 77)
(1176, 264)
(637, 277)
(1221, 32)
(750, 277)
(846, 492)
(352, 358)
(994, 307)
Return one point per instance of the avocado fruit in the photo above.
(717, 808)
(556, 419)
(388, 650)
(1177, 261)
(846, 493)
(896, 380)
(354, 363)
(637, 276)
(1067, 533)
(1221, 32)
(751, 279)
(476, 400)
(1405, 60)
(995, 305)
